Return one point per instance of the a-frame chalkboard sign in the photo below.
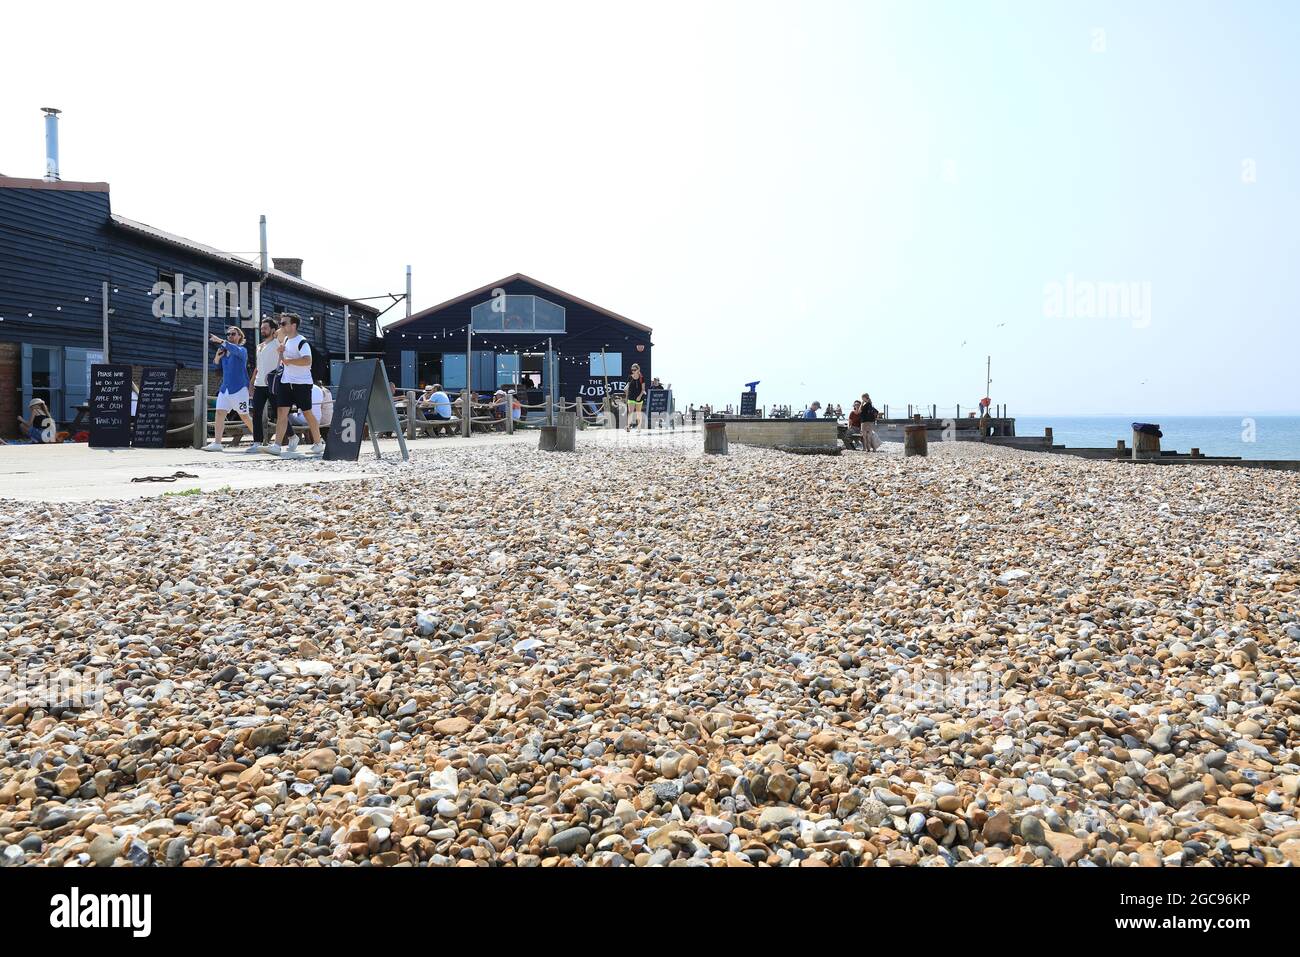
(363, 398)
(110, 406)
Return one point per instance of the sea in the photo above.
(1249, 437)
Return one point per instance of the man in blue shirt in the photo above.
(232, 359)
(440, 404)
(811, 411)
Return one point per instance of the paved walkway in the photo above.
(74, 472)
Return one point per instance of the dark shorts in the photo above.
(293, 393)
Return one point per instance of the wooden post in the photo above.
(1196, 453)
(550, 410)
(1120, 447)
(200, 417)
(1047, 437)
(715, 438)
(1145, 445)
(510, 415)
(546, 438)
(410, 415)
(915, 441)
(466, 413)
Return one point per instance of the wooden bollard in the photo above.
(1145, 445)
(410, 415)
(1196, 453)
(1047, 437)
(200, 437)
(546, 440)
(1121, 446)
(715, 438)
(915, 441)
(566, 432)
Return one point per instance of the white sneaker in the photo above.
(293, 443)
(214, 447)
(273, 449)
(318, 448)
(255, 447)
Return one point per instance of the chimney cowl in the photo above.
(291, 266)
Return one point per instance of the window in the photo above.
(606, 364)
(522, 314)
(166, 305)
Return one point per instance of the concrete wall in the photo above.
(769, 433)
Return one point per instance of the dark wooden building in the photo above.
(514, 321)
(60, 242)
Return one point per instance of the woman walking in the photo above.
(869, 415)
(635, 396)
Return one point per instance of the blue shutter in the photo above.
(453, 371)
(410, 366)
(27, 378)
(76, 379)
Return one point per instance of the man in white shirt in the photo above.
(295, 384)
(268, 360)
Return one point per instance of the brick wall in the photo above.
(11, 357)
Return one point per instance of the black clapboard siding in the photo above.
(57, 248)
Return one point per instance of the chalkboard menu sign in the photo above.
(749, 403)
(110, 406)
(362, 398)
(153, 408)
(659, 401)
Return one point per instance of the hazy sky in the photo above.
(826, 196)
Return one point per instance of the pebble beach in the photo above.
(637, 655)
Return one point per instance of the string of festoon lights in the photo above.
(45, 310)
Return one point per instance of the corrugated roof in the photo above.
(501, 282)
(171, 239)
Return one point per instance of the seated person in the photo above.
(516, 410)
(322, 406)
(436, 404)
(41, 427)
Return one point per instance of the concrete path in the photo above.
(74, 472)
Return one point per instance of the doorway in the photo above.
(43, 378)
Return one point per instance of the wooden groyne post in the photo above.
(915, 441)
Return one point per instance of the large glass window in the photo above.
(522, 314)
(606, 364)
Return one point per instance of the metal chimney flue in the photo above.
(51, 143)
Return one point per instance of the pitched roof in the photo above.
(171, 239)
(501, 282)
